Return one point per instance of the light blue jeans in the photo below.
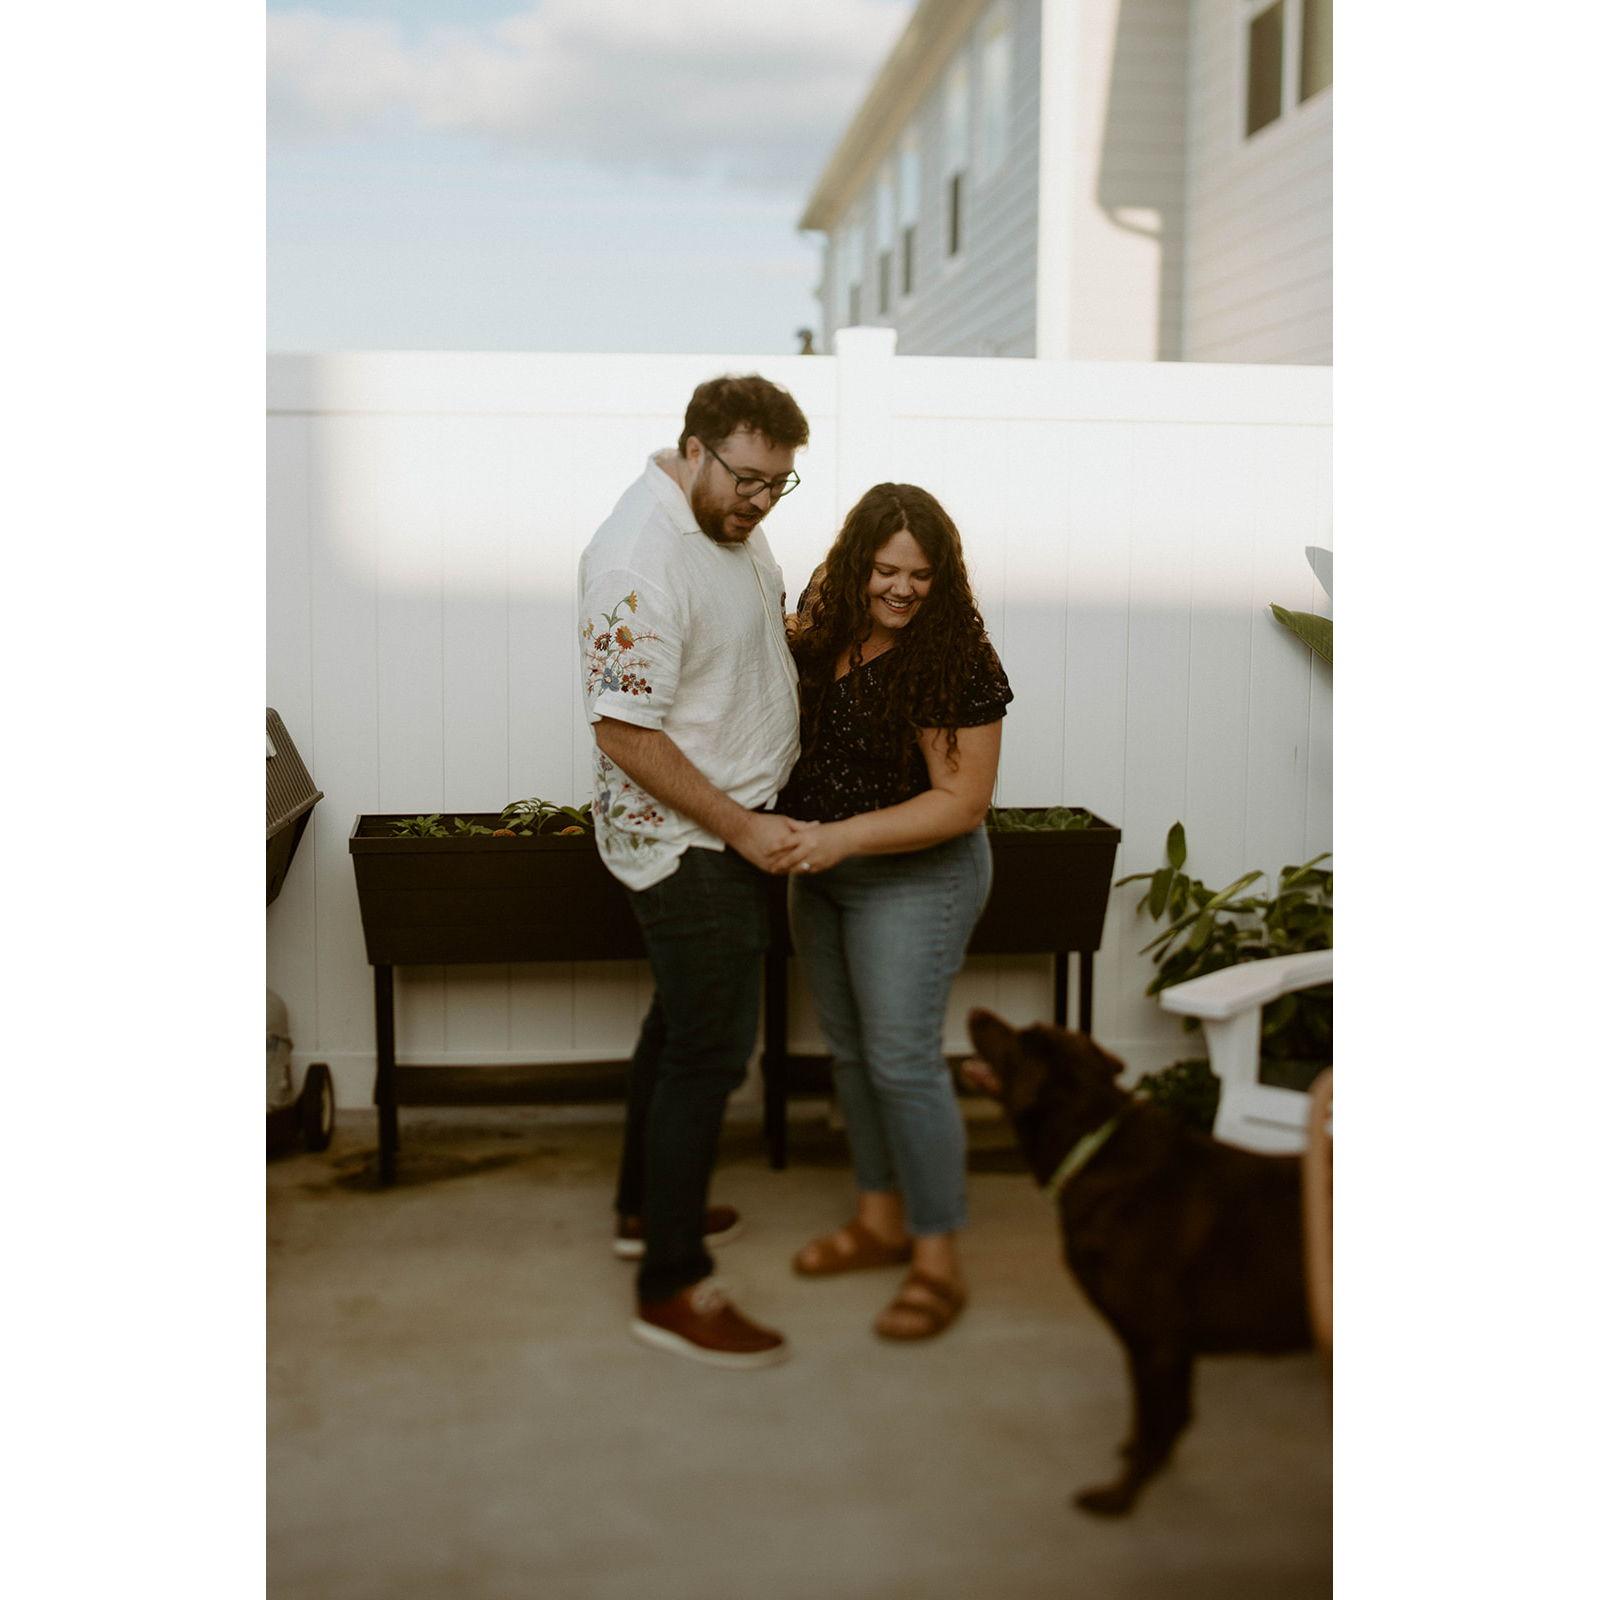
(881, 939)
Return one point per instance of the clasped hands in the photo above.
(782, 846)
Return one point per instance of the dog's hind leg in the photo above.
(1163, 1380)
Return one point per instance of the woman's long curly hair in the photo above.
(923, 681)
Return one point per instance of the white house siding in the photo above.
(424, 518)
(1125, 289)
(981, 302)
(1258, 267)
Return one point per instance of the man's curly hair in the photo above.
(924, 681)
(721, 406)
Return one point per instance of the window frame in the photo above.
(1300, 94)
(955, 164)
(883, 236)
(997, 28)
(908, 209)
(1290, 67)
(849, 288)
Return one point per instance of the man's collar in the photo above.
(665, 488)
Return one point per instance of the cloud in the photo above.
(758, 93)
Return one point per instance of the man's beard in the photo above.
(713, 521)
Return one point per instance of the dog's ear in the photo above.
(1106, 1063)
(1030, 1071)
(1006, 1068)
(1086, 1058)
(992, 1037)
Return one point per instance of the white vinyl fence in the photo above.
(1126, 526)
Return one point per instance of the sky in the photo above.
(554, 174)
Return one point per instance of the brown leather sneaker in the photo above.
(702, 1323)
(721, 1224)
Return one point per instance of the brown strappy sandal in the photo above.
(824, 1257)
(934, 1316)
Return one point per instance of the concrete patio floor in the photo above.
(456, 1410)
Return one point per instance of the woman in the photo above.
(901, 697)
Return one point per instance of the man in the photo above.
(691, 692)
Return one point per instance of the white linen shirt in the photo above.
(683, 634)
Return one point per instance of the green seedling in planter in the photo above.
(431, 828)
(1208, 929)
(521, 819)
(545, 816)
(421, 828)
(1056, 819)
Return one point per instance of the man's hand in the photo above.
(814, 847)
(763, 838)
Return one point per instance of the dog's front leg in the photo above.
(1163, 1380)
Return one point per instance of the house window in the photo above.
(1316, 47)
(957, 149)
(1264, 61)
(852, 262)
(994, 82)
(883, 235)
(1289, 42)
(909, 203)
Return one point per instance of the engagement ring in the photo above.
(805, 866)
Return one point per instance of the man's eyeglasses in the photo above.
(748, 485)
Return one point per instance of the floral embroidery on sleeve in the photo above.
(622, 810)
(613, 661)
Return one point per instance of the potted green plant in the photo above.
(1206, 930)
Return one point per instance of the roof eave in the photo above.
(918, 51)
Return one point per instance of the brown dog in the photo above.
(1185, 1246)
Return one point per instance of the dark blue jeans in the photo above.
(705, 931)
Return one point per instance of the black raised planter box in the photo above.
(471, 897)
(1051, 888)
(476, 898)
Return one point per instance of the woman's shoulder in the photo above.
(987, 690)
(971, 692)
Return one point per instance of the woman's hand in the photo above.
(818, 846)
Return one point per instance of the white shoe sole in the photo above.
(633, 1249)
(731, 1360)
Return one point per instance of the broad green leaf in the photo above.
(1165, 937)
(1233, 888)
(1180, 895)
(1310, 629)
(1160, 885)
(1177, 846)
(1292, 876)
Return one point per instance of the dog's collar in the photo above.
(1082, 1153)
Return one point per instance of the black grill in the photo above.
(290, 796)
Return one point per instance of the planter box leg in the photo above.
(775, 1060)
(1086, 991)
(1058, 974)
(384, 1091)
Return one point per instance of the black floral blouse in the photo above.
(849, 758)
